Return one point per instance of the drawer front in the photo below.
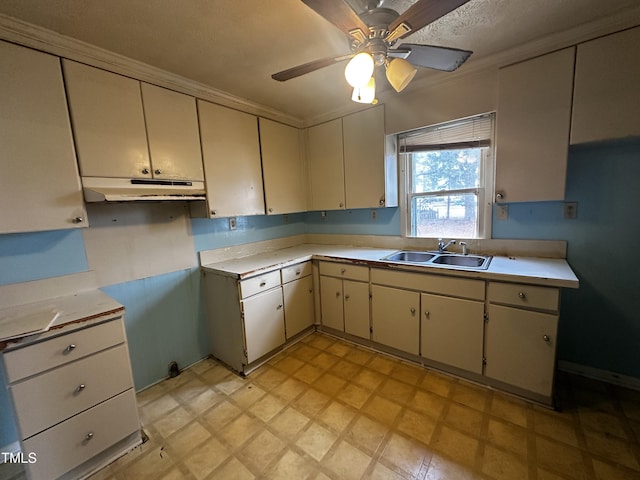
(440, 284)
(38, 357)
(258, 284)
(527, 296)
(70, 389)
(294, 272)
(71, 443)
(345, 270)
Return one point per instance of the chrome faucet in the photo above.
(443, 246)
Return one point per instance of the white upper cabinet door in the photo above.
(533, 121)
(606, 103)
(108, 122)
(172, 129)
(326, 166)
(364, 161)
(39, 183)
(231, 156)
(282, 168)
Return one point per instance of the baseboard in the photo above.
(12, 448)
(599, 374)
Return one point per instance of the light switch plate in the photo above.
(503, 212)
(232, 223)
(570, 210)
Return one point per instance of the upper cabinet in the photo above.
(606, 102)
(283, 168)
(348, 164)
(39, 184)
(231, 154)
(172, 129)
(326, 166)
(112, 137)
(534, 117)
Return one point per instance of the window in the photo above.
(449, 167)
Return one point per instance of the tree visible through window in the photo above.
(447, 166)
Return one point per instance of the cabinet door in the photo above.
(39, 184)
(172, 128)
(364, 165)
(331, 306)
(231, 155)
(452, 331)
(356, 308)
(395, 318)
(532, 137)
(282, 168)
(298, 305)
(108, 122)
(520, 348)
(263, 323)
(606, 102)
(326, 166)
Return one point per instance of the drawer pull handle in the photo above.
(342, 270)
(89, 436)
(546, 338)
(522, 295)
(69, 348)
(263, 283)
(298, 272)
(80, 388)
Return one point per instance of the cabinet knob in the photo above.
(213, 212)
(78, 219)
(546, 338)
(499, 196)
(522, 295)
(337, 294)
(279, 307)
(270, 210)
(311, 290)
(145, 171)
(298, 272)
(69, 348)
(381, 203)
(157, 171)
(263, 283)
(89, 436)
(427, 313)
(80, 388)
(346, 297)
(341, 205)
(413, 311)
(342, 270)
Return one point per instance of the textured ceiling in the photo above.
(235, 45)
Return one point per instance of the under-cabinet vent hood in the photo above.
(98, 189)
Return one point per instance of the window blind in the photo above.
(472, 132)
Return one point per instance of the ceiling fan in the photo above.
(374, 34)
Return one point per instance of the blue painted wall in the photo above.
(600, 326)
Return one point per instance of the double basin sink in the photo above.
(455, 260)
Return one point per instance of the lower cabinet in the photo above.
(452, 330)
(251, 318)
(74, 399)
(395, 318)
(520, 336)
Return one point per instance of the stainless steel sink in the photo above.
(412, 257)
(472, 261)
(451, 260)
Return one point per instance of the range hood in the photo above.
(98, 189)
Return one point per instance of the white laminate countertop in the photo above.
(538, 271)
(88, 306)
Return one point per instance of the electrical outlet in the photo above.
(570, 210)
(374, 215)
(323, 215)
(503, 212)
(232, 223)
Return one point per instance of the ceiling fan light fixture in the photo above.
(365, 94)
(399, 73)
(359, 70)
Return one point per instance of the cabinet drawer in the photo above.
(296, 271)
(71, 443)
(258, 284)
(345, 270)
(38, 357)
(520, 295)
(441, 284)
(70, 389)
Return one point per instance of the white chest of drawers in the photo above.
(73, 396)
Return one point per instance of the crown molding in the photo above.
(39, 38)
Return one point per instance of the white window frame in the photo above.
(484, 191)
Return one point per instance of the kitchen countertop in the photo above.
(539, 271)
(91, 306)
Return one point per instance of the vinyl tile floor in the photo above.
(327, 409)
